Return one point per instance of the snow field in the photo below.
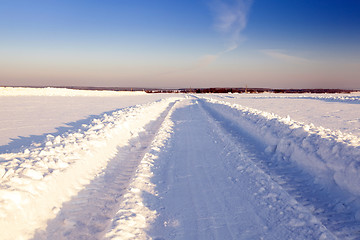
(353, 98)
(321, 110)
(18, 91)
(330, 157)
(35, 182)
(25, 119)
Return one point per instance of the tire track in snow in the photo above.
(89, 214)
(134, 216)
(36, 182)
(332, 206)
(210, 188)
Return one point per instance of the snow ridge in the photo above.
(35, 182)
(133, 218)
(331, 157)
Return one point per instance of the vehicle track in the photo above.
(89, 213)
(336, 212)
(209, 187)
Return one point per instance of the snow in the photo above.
(134, 217)
(65, 164)
(202, 195)
(27, 114)
(114, 165)
(330, 156)
(331, 111)
(63, 92)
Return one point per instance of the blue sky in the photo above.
(189, 43)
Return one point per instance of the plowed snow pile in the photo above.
(113, 165)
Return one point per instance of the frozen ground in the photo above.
(140, 166)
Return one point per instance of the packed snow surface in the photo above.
(173, 166)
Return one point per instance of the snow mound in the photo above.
(134, 216)
(14, 91)
(330, 156)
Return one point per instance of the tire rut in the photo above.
(327, 205)
(89, 213)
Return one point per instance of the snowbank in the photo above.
(14, 91)
(331, 157)
(134, 216)
(35, 182)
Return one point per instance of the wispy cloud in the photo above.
(282, 55)
(230, 20)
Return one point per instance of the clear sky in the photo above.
(187, 43)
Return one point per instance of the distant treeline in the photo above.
(204, 90)
(248, 90)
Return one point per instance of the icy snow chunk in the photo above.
(135, 190)
(296, 223)
(62, 164)
(240, 168)
(49, 137)
(285, 146)
(41, 164)
(339, 207)
(57, 140)
(270, 149)
(357, 215)
(31, 173)
(8, 173)
(2, 172)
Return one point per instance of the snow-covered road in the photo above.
(209, 187)
(185, 167)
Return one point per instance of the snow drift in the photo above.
(331, 157)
